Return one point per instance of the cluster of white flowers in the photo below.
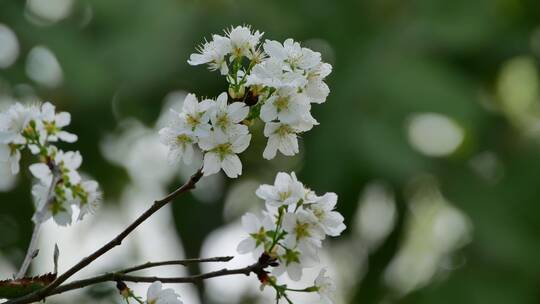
(271, 81)
(216, 127)
(293, 226)
(59, 185)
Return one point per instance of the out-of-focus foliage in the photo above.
(430, 135)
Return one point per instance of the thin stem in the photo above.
(30, 252)
(276, 237)
(185, 262)
(116, 241)
(32, 247)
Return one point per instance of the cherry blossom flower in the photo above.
(221, 153)
(325, 287)
(51, 203)
(243, 41)
(302, 230)
(287, 190)
(283, 137)
(54, 122)
(329, 220)
(285, 105)
(293, 261)
(227, 118)
(195, 114)
(213, 53)
(258, 238)
(180, 140)
(157, 295)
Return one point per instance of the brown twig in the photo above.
(256, 268)
(43, 293)
(184, 262)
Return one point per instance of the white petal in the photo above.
(241, 143)
(67, 137)
(41, 172)
(63, 119)
(232, 166)
(5, 151)
(271, 148)
(153, 291)
(268, 111)
(247, 245)
(212, 163)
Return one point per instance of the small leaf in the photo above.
(10, 289)
(56, 255)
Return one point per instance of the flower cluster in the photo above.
(59, 185)
(216, 127)
(292, 228)
(271, 81)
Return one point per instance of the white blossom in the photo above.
(293, 261)
(195, 114)
(316, 89)
(258, 237)
(227, 118)
(180, 139)
(292, 55)
(325, 287)
(12, 155)
(213, 53)
(302, 229)
(283, 137)
(329, 220)
(286, 105)
(243, 41)
(270, 73)
(221, 153)
(48, 204)
(287, 190)
(54, 122)
(14, 121)
(86, 196)
(157, 295)
(67, 162)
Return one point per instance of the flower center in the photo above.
(302, 230)
(193, 120)
(282, 103)
(183, 139)
(223, 150)
(284, 130)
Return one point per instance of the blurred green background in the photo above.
(429, 136)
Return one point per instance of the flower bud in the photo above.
(238, 92)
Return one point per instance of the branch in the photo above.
(43, 293)
(115, 276)
(185, 262)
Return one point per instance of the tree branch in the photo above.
(43, 293)
(116, 276)
(185, 262)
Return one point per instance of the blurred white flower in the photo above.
(157, 295)
(325, 287)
